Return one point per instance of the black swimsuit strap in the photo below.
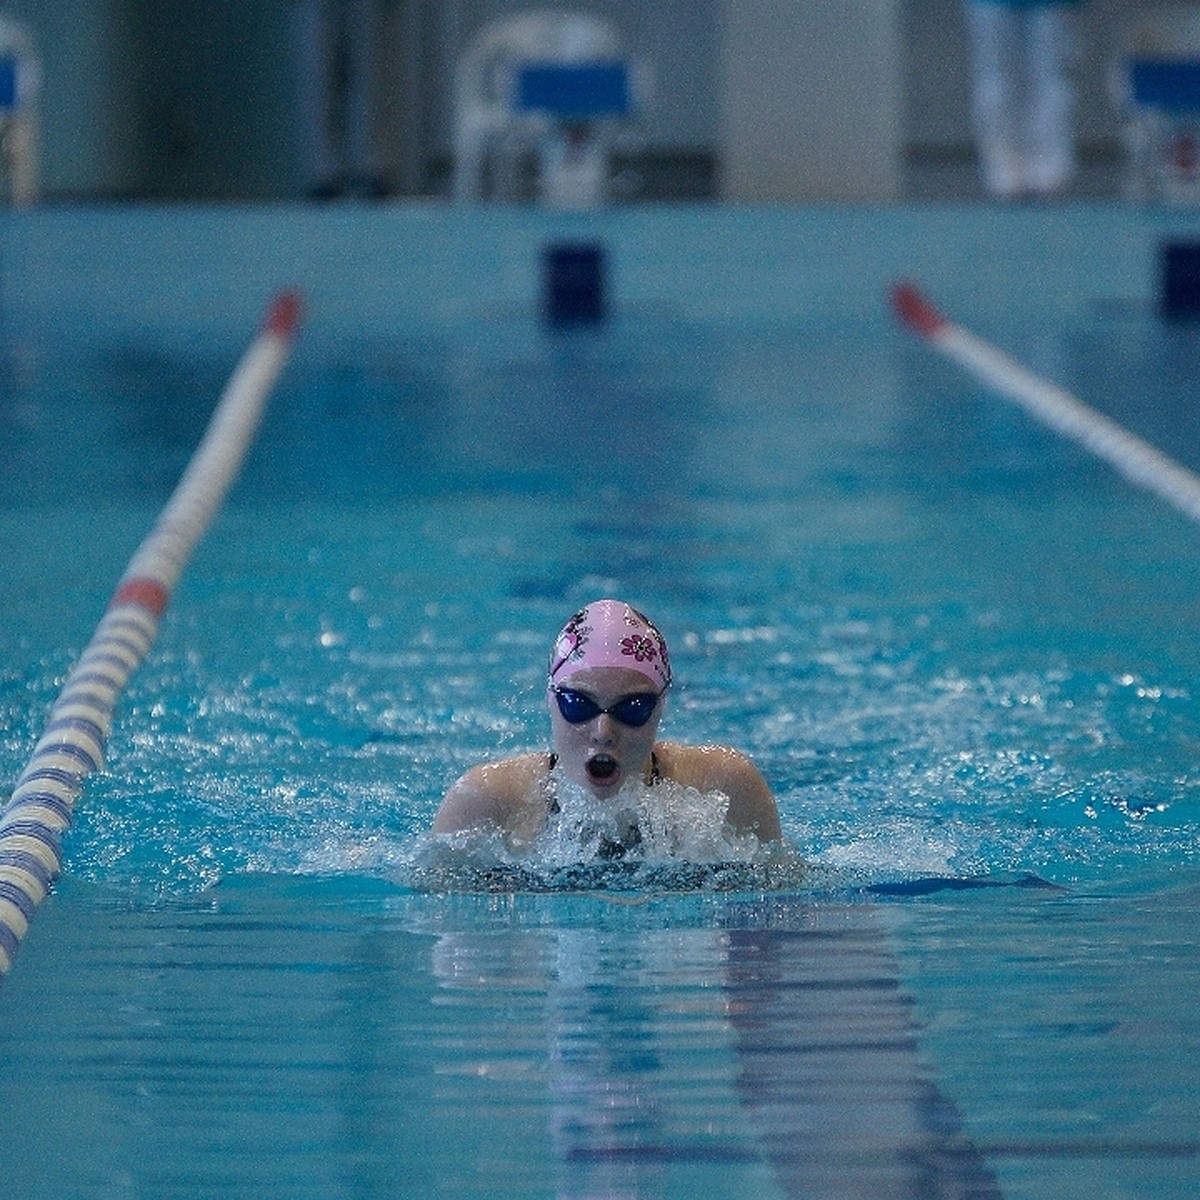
(552, 805)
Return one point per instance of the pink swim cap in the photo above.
(609, 633)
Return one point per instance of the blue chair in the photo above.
(537, 99)
(1162, 128)
(19, 79)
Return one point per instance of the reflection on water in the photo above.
(831, 1069)
(773, 1050)
(331, 1038)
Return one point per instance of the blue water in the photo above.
(956, 646)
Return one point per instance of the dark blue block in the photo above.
(1167, 84)
(574, 92)
(8, 84)
(574, 283)
(1179, 294)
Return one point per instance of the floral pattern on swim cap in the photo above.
(610, 633)
(639, 647)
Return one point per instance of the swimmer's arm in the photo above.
(752, 807)
(490, 796)
(467, 805)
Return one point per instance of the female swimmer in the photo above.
(608, 682)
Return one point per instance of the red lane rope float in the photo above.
(73, 742)
(1138, 460)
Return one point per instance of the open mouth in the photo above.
(601, 768)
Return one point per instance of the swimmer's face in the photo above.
(602, 753)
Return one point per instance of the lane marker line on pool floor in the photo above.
(73, 741)
(1138, 460)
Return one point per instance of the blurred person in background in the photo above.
(1022, 55)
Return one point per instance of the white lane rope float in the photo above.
(1138, 460)
(73, 741)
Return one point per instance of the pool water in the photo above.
(959, 649)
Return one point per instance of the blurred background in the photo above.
(756, 100)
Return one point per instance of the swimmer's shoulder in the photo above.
(495, 793)
(706, 767)
(752, 807)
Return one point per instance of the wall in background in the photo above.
(195, 100)
(811, 101)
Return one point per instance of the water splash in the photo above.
(665, 837)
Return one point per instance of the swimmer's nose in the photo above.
(604, 730)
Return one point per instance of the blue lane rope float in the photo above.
(73, 742)
(1138, 460)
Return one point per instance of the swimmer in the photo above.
(607, 687)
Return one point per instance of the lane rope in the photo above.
(76, 733)
(1138, 460)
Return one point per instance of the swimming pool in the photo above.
(955, 645)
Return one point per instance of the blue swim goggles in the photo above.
(633, 710)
